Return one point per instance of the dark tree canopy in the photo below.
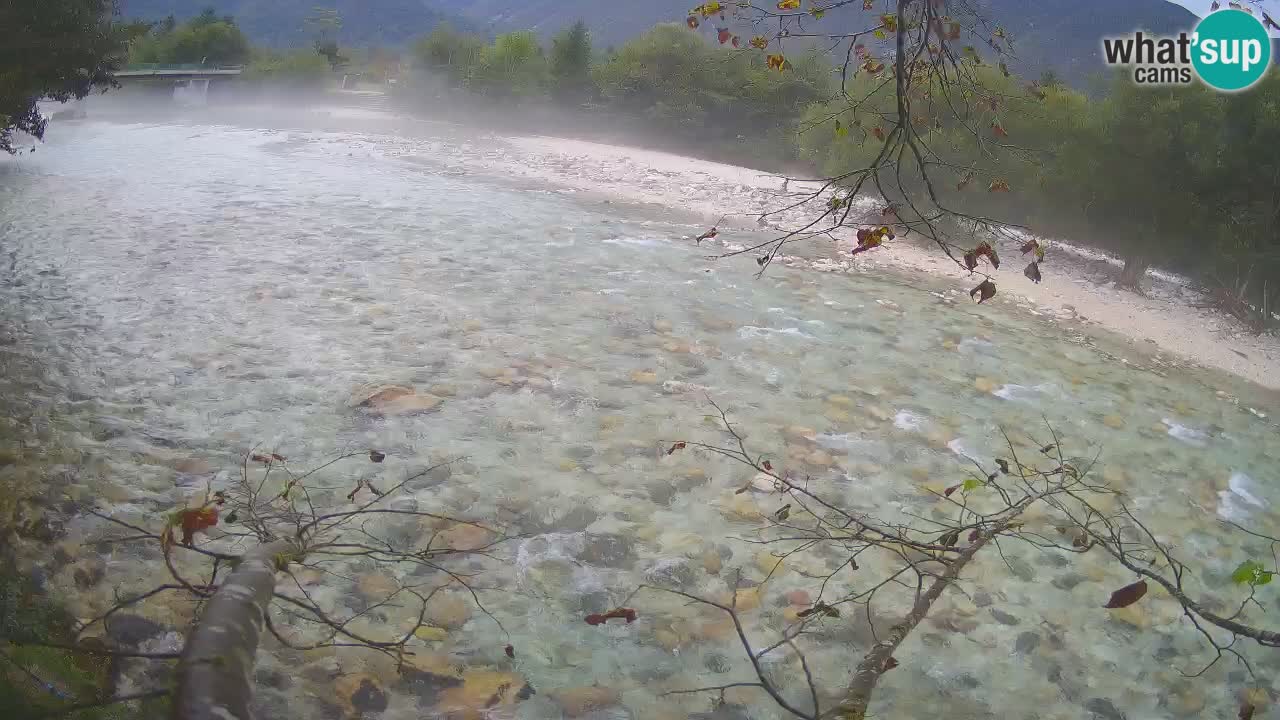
(55, 49)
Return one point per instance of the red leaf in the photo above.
(277, 458)
(970, 260)
(260, 458)
(878, 133)
(619, 613)
(195, 520)
(1246, 710)
(1127, 595)
(736, 42)
(511, 651)
(950, 490)
(678, 446)
(768, 466)
(1029, 246)
(998, 130)
(973, 536)
(723, 35)
(692, 22)
(890, 664)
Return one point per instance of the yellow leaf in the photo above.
(788, 4)
(817, 13)
(431, 634)
(777, 62)
(841, 130)
(880, 34)
(759, 42)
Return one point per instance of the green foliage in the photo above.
(1251, 573)
(294, 67)
(513, 66)
(448, 51)
(571, 61)
(205, 39)
(58, 49)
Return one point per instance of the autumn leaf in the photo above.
(817, 13)
(723, 35)
(878, 132)
(621, 613)
(377, 456)
(708, 9)
(510, 651)
(998, 130)
(783, 512)
(819, 608)
(1127, 595)
(192, 521)
(777, 62)
(953, 31)
(678, 446)
(973, 535)
(860, 51)
(950, 539)
(998, 185)
(788, 4)
(970, 261)
(1004, 465)
(868, 4)
(762, 260)
(1029, 245)
(258, 457)
(736, 42)
(950, 490)
(759, 42)
(692, 22)
(890, 22)
(890, 664)
(841, 130)
(972, 484)
(1033, 272)
(707, 235)
(880, 34)
(964, 182)
(768, 466)
(1247, 708)
(984, 291)
(873, 66)
(998, 32)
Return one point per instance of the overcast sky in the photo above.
(1200, 7)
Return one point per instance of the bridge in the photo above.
(190, 82)
(177, 72)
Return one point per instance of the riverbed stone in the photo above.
(577, 702)
(376, 586)
(448, 610)
(1103, 709)
(360, 694)
(614, 551)
(644, 377)
(1026, 642)
(480, 692)
(1114, 422)
(985, 385)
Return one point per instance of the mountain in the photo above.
(279, 22)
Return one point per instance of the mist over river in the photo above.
(175, 293)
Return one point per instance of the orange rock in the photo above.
(580, 701)
(466, 537)
(479, 693)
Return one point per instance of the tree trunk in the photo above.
(1135, 268)
(215, 674)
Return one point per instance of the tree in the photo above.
(206, 39)
(242, 555)
(447, 50)
(324, 24)
(513, 66)
(907, 565)
(571, 61)
(55, 49)
(1140, 168)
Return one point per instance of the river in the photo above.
(177, 292)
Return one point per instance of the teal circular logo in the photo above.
(1230, 50)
